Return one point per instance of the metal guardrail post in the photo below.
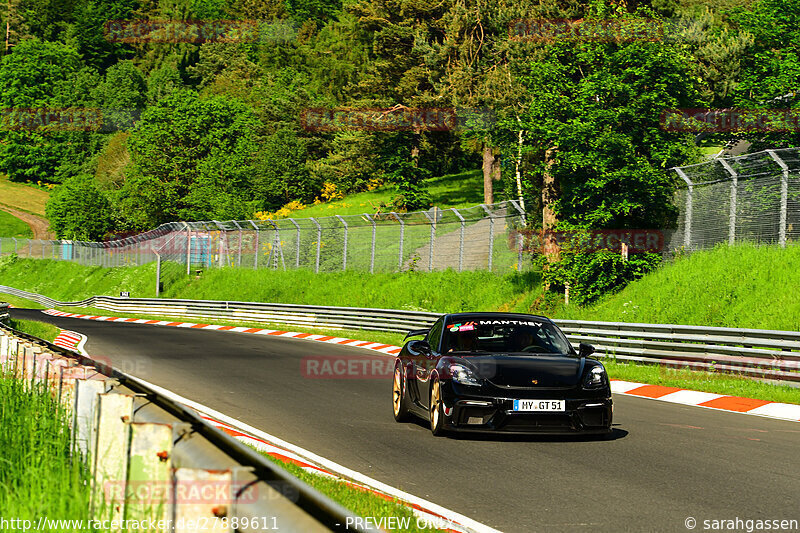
(734, 192)
(460, 240)
(319, 243)
(491, 234)
(433, 236)
(344, 253)
(402, 236)
(784, 197)
(687, 226)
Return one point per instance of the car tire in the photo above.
(399, 393)
(437, 410)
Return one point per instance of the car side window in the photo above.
(435, 335)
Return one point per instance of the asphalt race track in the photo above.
(666, 463)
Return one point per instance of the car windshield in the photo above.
(504, 336)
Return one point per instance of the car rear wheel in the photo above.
(399, 391)
(437, 410)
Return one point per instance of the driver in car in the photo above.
(523, 340)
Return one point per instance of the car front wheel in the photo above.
(399, 389)
(437, 410)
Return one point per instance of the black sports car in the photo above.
(503, 372)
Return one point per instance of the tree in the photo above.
(193, 157)
(163, 82)
(78, 210)
(88, 31)
(771, 64)
(594, 114)
(122, 96)
(281, 173)
(33, 80)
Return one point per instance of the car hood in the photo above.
(521, 371)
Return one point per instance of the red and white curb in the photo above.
(720, 402)
(71, 340)
(369, 345)
(708, 400)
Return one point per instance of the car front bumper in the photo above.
(480, 413)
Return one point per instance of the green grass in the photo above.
(42, 330)
(361, 502)
(702, 381)
(453, 190)
(744, 286)
(439, 291)
(23, 197)
(11, 226)
(38, 473)
(20, 302)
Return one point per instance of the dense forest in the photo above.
(149, 111)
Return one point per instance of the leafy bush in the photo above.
(590, 275)
(78, 210)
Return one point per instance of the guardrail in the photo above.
(764, 354)
(163, 435)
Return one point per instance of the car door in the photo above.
(423, 366)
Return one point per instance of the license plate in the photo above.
(540, 405)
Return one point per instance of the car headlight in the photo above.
(463, 375)
(596, 378)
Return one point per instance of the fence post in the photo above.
(297, 247)
(372, 250)
(188, 249)
(433, 235)
(402, 235)
(491, 233)
(687, 226)
(319, 243)
(256, 249)
(221, 233)
(15, 243)
(734, 192)
(239, 255)
(460, 241)
(784, 197)
(158, 272)
(344, 254)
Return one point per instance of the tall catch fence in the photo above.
(753, 197)
(483, 237)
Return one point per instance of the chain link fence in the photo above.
(753, 197)
(483, 237)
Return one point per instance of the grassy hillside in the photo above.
(454, 190)
(740, 286)
(23, 197)
(743, 286)
(435, 291)
(11, 226)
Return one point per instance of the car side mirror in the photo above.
(421, 347)
(585, 350)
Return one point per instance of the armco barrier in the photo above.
(765, 354)
(133, 424)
